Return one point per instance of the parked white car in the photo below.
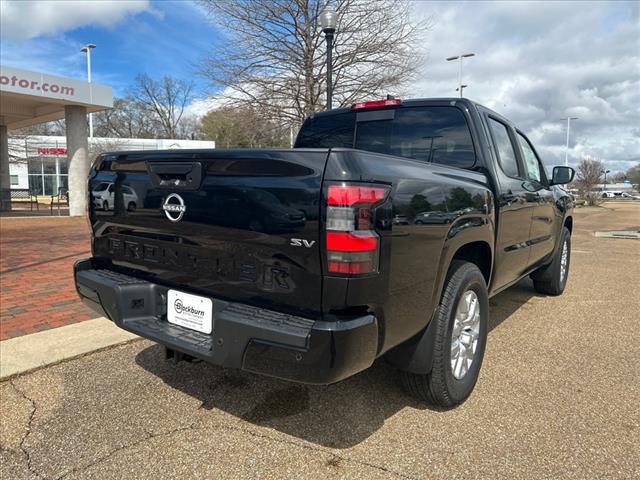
(103, 196)
(611, 194)
(633, 196)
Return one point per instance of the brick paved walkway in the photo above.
(36, 274)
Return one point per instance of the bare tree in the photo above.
(588, 175)
(55, 127)
(127, 119)
(101, 145)
(275, 58)
(633, 174)
(242, 127)
(190, 127)
(166, 99)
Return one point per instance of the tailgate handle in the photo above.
(177, 176)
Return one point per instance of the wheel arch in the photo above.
(416, 354)
(480, 254)
(568, 222)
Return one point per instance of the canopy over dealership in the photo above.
(28, 98)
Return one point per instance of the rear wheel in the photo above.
(552, 279)
(131, 207)
(461, 335)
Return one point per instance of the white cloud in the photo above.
(201, 106)
(24, 19)
(539, 61)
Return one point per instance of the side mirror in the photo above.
(562, 175)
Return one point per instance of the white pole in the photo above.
(460, 75)
(566, 152)
(89, 80)
(89, 65)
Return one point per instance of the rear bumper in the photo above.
(246, 337)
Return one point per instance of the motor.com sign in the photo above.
(36, 84)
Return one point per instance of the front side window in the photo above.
(506, 153)
(530, 159)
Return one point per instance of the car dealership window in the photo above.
(47, 174)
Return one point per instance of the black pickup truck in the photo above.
(382, 233)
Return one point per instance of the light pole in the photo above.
(328, 20)
(459, 58)
(87, 49)
(604, 185)
(566, 153)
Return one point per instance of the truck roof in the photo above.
(414, 102)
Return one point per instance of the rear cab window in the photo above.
(436, 134)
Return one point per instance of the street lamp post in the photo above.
(459, 58)
(566, 152)
(328, 20)
(87, 49)
(604, 185)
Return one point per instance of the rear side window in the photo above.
(429, 134)
(505, 148)
(327, 131)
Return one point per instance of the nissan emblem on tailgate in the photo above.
(174, 211)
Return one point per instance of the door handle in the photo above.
(177, 176)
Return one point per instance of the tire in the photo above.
(443, 386)
(552, 279)
(105, 205)
(131, 207)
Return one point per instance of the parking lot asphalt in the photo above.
(558, 397)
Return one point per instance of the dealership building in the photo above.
(44, 164)
(29, 98)
(40, 163)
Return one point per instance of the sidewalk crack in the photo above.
(23, 440)
(148, 436)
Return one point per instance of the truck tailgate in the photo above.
(241, 225)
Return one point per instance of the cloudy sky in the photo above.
(535, 62)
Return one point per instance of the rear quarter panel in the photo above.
(446, 208)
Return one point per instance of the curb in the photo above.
(30, 352)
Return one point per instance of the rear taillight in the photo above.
(353, 246)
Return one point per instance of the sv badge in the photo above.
(301, 242)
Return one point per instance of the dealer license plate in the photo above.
(190, 311)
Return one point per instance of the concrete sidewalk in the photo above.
(29, 352)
